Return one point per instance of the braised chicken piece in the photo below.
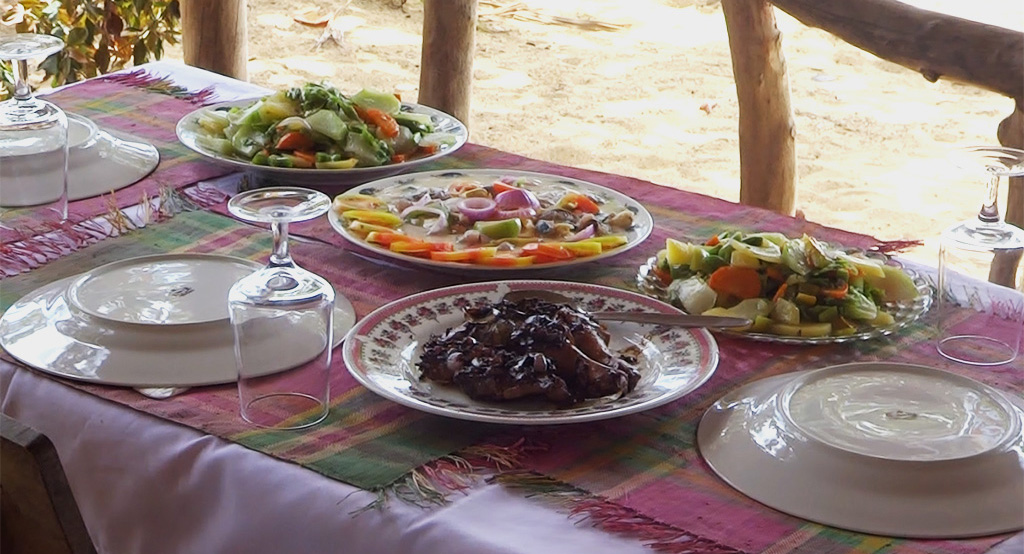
(528, 348)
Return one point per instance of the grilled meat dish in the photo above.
(531, 347)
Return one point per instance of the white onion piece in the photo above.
(515, 199)
(476, 208)
(293, 123)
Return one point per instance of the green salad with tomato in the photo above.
(316, 126)
(798, 287)
(508, 221)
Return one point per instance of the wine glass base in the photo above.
(977, 350)
(985, 235)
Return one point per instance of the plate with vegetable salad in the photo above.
(314, 134)
(490, 220)
(795, 290)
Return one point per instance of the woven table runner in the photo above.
(134, 103)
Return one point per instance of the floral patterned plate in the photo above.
(382, 352)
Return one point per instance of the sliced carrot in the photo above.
(295, 140)
(305, 155)
(837, 293)
(387, 124)
(548, 250)
(398, 158)
(385, 238)
(713, 241)
(741, 282)
(575, 201)
(428, 148)
(779, 293)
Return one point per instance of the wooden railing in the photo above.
(937, 45)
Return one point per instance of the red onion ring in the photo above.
(517, 198)
(476, 208)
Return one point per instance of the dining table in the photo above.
(184, 473)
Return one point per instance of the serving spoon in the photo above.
(650, 318)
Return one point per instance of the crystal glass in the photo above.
(33, 143)
(282, 317)
(981, 270)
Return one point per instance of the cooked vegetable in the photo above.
(786, 286)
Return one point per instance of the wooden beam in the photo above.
(446, 65)
(766, 128)
(935, 44)
(214, 36)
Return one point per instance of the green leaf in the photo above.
(77, 36)
(140, 53)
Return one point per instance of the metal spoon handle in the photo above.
(677, 320)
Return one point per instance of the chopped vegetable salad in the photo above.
(316, 126)
(786, 286)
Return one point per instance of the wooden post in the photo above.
(1011, 134)
(446, 64)
(766, 128)
(214, 36)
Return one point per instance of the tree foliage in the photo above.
(100, 36)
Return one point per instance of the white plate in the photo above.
(174, 289)
(903, 313)
(888, 449)
(100, 162)
(643, 224)
(188, 129)
(382, 352)
(45, 331)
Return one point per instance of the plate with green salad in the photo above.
(316, 135)
(500, 221)
(799, 290)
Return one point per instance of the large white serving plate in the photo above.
(145, 347)
(643, 223)
(382, 352)
(101, 161)
(188, 129)
(882, 448)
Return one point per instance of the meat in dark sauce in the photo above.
(528, 348)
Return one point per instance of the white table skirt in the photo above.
(144, 484)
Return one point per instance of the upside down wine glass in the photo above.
(282, 317)
(981, 272)
(33, 142)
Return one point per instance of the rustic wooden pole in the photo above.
(936, 44)
(1011, 133)
(446, 65)
(214, 36)
(766, 128)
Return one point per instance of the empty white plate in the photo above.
(100, 161)
(882, 448)
(45, 330)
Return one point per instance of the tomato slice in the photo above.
(294, 140)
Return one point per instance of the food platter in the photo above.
(641, 226)
(882, 448)
(139, 345)
(382, 352)
(904, 313)
(188, 131)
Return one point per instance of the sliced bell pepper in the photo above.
(387, 219)
(386, 238)
(356, 201)
(469, 255)
(365, 229)
(552, 250)
(508, 261)
(607, 242)
(575, 201)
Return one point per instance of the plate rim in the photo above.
(391, 181)
(185, 131)
(56, 289)
(713, 421)
(71, 292)
(710, 354)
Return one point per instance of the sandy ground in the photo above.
(656, 100)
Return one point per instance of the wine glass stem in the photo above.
(22, 90)
(990, 209)
(280, 257)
